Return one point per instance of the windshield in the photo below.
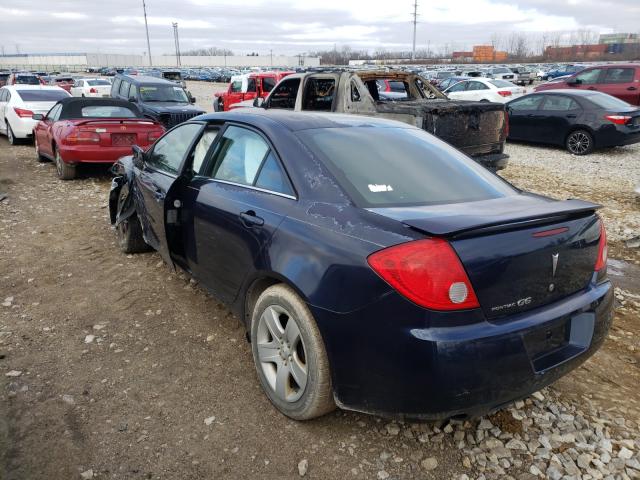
(386, 167)
(95, 83)
(52, 95)
(608, 102)
(27, 80)
(163, 93)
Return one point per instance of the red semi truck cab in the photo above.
(247, 87)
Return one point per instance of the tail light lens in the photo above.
(82, 137)
(93, 90)
(153, 136)
(603, 249)
(504, 93)
(427, 272)
(618, 119)
(23, 112)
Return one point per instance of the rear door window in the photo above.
(459, 87)
(559, 103)
(239, 155)
(619, 75)
(284, 94)
(319, 94)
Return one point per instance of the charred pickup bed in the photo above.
(479, 129)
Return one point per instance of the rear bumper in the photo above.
(23, 127)
(614, 136)
(93, 154)
(396, 359)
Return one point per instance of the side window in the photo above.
(272, 177)
(239, 154)
(3, 95)
(168, 152)
(531, 102)
(236, 86)
(133, 92)
(559, 103)
(355, 93)
(319, 94)
(268, 83)
(619, 75)
(477, 86)
(54, 113)
(459, 87)
(251, 85)
(203, 146)
(115, 88)
(284, 94)
(589, 77)
(124, 89)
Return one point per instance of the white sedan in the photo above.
(18, 103)
(91, 87)
(484, 90)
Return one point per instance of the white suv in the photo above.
(18, 103)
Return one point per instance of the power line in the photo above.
(415, 23)
(146, 27)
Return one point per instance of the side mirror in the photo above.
(138, 156)
(133, 99)
(574, 81)
(258, 102)
(37, 116)
(192, 99)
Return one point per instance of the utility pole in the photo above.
(146, 27)
(176, 40)
(271, 55)
(415, 22)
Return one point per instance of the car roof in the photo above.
(296, 121)
(33, 87)
(138, 79)
(566, 91)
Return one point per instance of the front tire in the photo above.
(64, 170)
(129, 231)
(37, 149)
(290, 356)
(579, 142)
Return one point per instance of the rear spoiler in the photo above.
(118, 120)
(479, 221)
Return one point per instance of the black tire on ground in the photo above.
(295, 348)
(579, 142)
(129, 232)
(10, 136)
(64, 170)
(37, 149)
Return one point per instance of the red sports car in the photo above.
(91, 130)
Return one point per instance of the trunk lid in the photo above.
(519, 252)
(465, 125)
(121, 132)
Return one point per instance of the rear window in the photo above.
(42, 95)
(501, 83)
(107, 111)
(27, 80)
(608, 102)
(387, 167)
(95, 83)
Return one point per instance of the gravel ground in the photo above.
(112, 366)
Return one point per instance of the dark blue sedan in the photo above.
(374, 266)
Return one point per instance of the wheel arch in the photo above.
(574, 128)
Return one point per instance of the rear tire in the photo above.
(10, 136)
(37, 149)
(65, 171)
(129, 231)
(290, 356)
(579, 142)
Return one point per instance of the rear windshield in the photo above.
(27, 80)
(42, 95)
(607, 101)
(387, 167)
(65, 80)
(94, 83)
(445, 74)
(107, 111)
(501, 70)
(501, 83)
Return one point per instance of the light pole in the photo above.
(415, 21)
(176, 40)
(146, 27)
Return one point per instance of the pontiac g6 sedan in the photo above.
(374, 266)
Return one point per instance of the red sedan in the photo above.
(96, 130)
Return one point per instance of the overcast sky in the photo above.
(293, 26)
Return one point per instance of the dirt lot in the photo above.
(112, 366)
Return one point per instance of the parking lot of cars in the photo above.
(124, 386)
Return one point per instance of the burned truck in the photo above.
(479, 129)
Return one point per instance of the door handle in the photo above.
(158, 193)
(571, 115)
(249, 219)
(592, 88)
(632, 89)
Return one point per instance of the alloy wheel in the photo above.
(281, 353)
(578, 143)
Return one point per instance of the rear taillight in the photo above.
(22, 112)
(618, 119)
(153, 136)
(504, 93)
(93, 90)
(82, 137)
(603, 249)
(427, 272)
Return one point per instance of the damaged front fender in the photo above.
(121, 202)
